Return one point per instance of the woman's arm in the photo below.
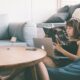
(78, 52)
(66, 53)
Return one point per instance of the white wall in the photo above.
(28, 10)
(42, 9)
(33, 11)
(15, 9)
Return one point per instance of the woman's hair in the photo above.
(76, 27)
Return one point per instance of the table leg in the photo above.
(34, 73)
(6, 77)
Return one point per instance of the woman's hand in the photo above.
(58, 47)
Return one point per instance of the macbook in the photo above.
(45, 43)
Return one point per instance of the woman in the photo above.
(71, 49)
(72, 70)
(72, 30)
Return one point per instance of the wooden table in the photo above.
(19, 56)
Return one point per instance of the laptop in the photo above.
(44, 42)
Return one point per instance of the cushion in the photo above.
(30, 31)
(4, 27)
(64, 9)
(59, 17)
(16, 30)
(72, 9)
(76, 14)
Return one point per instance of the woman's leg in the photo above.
(49, 62)
(42, 71)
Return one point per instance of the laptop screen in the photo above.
(46, 42)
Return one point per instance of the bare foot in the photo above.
(4, 77)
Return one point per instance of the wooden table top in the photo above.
(13, 56)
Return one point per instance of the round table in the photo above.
(20, 56)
